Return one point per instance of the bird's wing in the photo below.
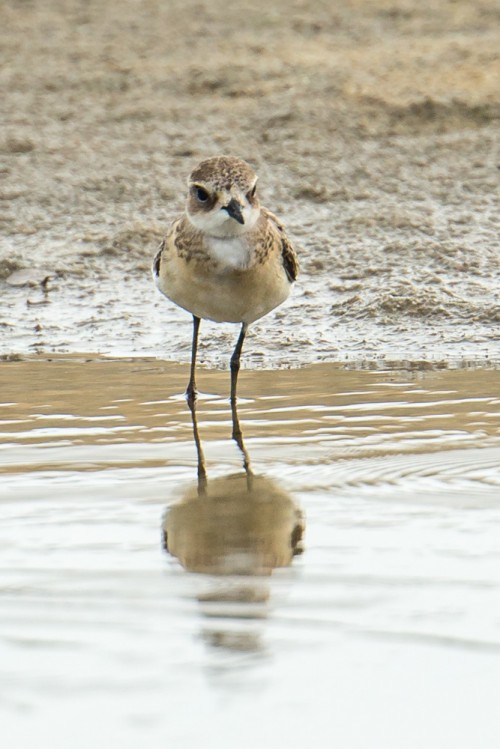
(181, 240)
(166, 246)
(157, 258)
(288, 254)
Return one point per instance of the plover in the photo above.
(227, 258)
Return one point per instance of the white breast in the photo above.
(232, 253)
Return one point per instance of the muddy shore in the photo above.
(373, 127)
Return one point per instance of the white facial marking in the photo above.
(218, 223)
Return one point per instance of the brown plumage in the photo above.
(227, 259)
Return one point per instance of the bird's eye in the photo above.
(201, 194)
(252, 192)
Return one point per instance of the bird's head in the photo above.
(222, 200)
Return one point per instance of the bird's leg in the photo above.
(235, 361)
(191, 388)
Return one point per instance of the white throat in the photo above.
(230, 253)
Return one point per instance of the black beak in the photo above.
(234, 210)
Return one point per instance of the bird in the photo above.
(227, 259)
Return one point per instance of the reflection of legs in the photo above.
(238, 438)
(191, 388)
(235, 361)
(202, 471)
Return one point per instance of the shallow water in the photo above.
(384, 632)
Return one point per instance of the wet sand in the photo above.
(373, 126)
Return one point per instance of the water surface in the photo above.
(146, 596)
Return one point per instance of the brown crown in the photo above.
(223, 171)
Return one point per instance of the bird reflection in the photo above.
(236, 529)
(240, 524)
